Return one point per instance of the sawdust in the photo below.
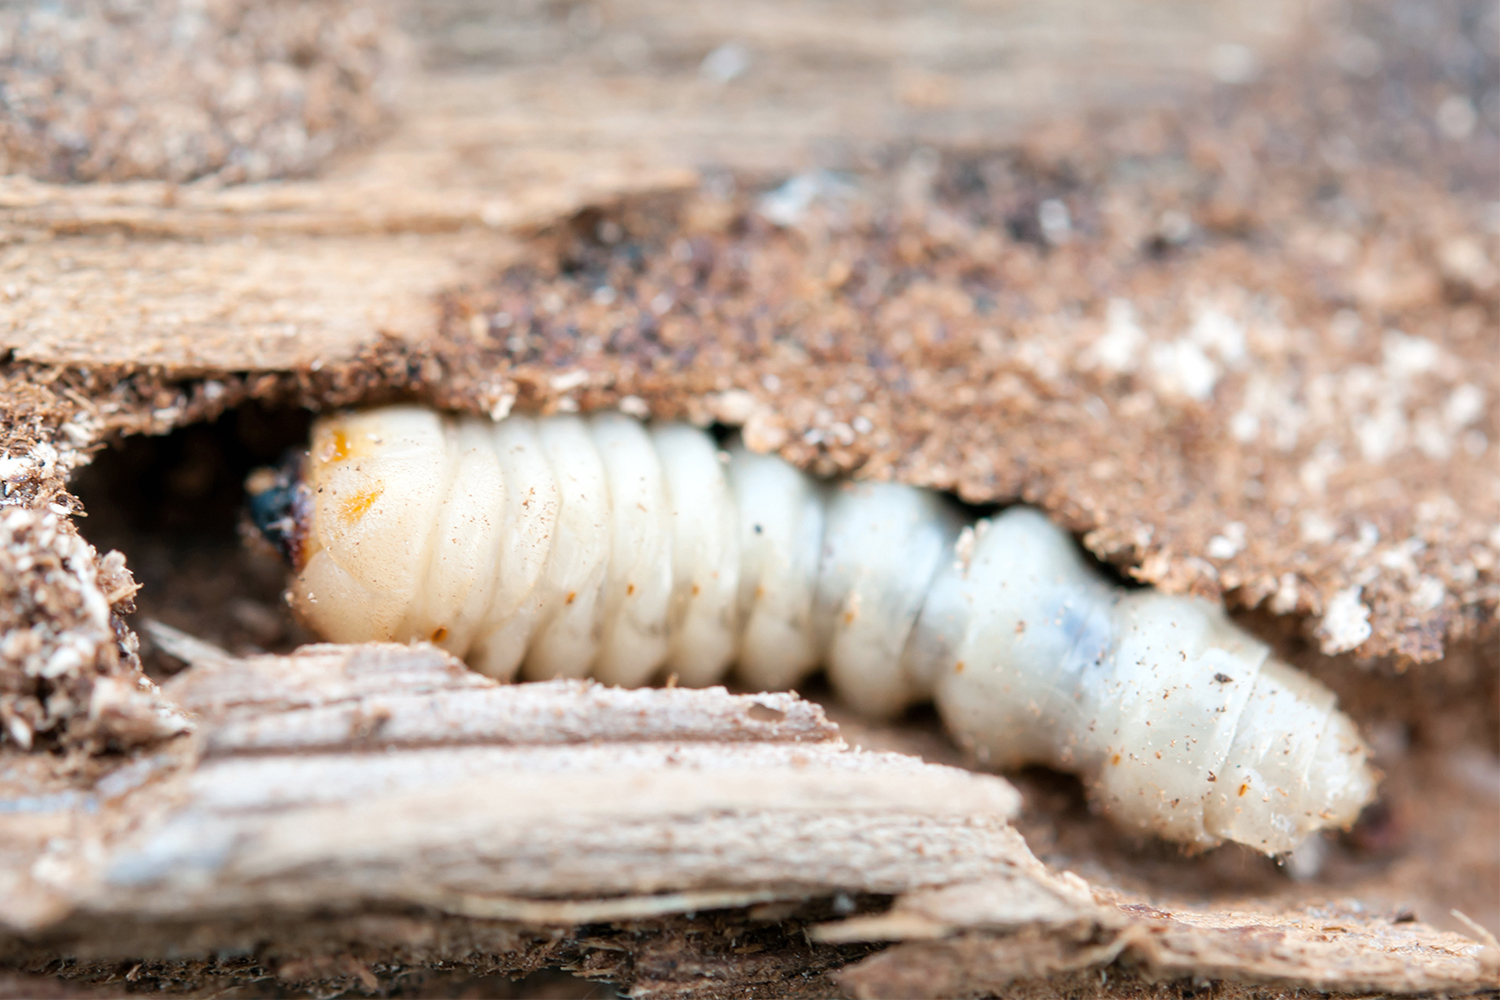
(69, 673)
(176, 91)
(1244, 348)
(1236, 361)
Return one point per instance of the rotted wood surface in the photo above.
(348, 775)
(1332, 360)
(1238, 369)
(511, 118)
(342, 781)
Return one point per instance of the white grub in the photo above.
(598, 546)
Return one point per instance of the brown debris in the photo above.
(1229, 414)
(706, 956)
(172, 91)
(1297, 410)
(969, 940)
(69, 674)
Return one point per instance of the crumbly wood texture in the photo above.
(952, 948)
(161, 90)
(72, 670)
(521, 824)
(1242, 346)
(1290, 344)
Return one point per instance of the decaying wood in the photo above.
(390, 782)
(235, 91)
(72, 669)
(350, 775)
(327, 695)
(340, 818)
(973, 939)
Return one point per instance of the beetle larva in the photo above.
(602, 546)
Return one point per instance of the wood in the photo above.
(389, 779)
(517, 121)
(973, 938)
(145, 307)
(429, 784)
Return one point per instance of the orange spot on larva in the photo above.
(357, 505)
(1244, 788)
(1115, 760)
(849, 617)
(572, 595)
(440, 633)
(697, 590)
(958, 667)
(629, 589)
(338, 447)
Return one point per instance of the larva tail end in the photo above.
(278, 509)
(1341, 780)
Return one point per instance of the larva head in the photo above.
(278, 508)
(355, 527)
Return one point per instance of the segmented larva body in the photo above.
(599, 546)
